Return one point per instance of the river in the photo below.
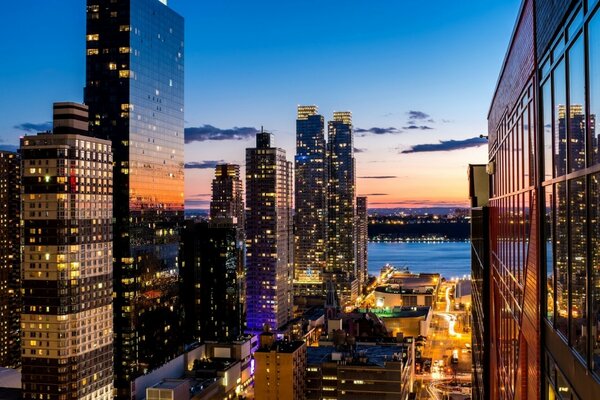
(450, 259)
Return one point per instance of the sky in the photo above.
(417, 75)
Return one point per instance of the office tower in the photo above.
(227, 197)
(67, 260)
(210, 291)
(134, 90)
(479, 191)
(10, 219)
(269, 236)
(341, 255)
(543, 211)
(362, 241)
(310, 255)
(280, 369)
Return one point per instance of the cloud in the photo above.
(359, 150)
(377, 194)
(33, 127)
(421, 127)
(446, 145)
(377, 131)
(209, 132)
(378, 177)
(419, 115)
(9, 147)
(202, 164)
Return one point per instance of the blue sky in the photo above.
(248, 64)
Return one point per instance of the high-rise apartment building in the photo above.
(10, 258)
(310, 256)
(362, 241)
(134, 90)
(341, 255)
(67, 261)
(269, 236)
(227, 201)
(543, 282)
(210, 291)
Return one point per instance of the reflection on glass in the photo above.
(594, 82)
(547, 110)
(560, 131)
(595, 282)
(562, 268)
(549, 256)
(576, 107)
(578, 220)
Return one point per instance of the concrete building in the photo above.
(67, 262)
(362, 373)
(406, 289)
(210, 291)
(10, 259)
(269, 235)
(280, 369)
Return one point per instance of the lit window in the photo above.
(92, 37)
(92, 52)
(124, 28)
(124, 50)
(112, 66)
(124, 73)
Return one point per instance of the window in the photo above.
(92, 52)
(93, 37)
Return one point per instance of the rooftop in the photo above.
(376, 355)
(282, 346)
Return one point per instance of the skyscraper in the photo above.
(210, 291)
(341, 256)
(227, 210)
(269, 237)
(10, 219)
(67, 317)
(134, 90)
(362, 241)
(310, 255)
(227, 201)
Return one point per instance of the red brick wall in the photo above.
(519, 66)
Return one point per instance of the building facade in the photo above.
(210, 292)
(280, 369)
(269, 236)
(134, 90)
(10, 258)
(362, 242)
(341, 255)
(543, 210)
(310, 167)
(66, 270)
(227, 202)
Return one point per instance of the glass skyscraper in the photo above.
(134, 90)
(310, 254)
(341, 255)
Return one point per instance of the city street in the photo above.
(447, 334)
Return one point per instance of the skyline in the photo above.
(242, 74)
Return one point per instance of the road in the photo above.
(445, 335)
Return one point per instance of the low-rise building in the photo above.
(280, 369)
(362, 372)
